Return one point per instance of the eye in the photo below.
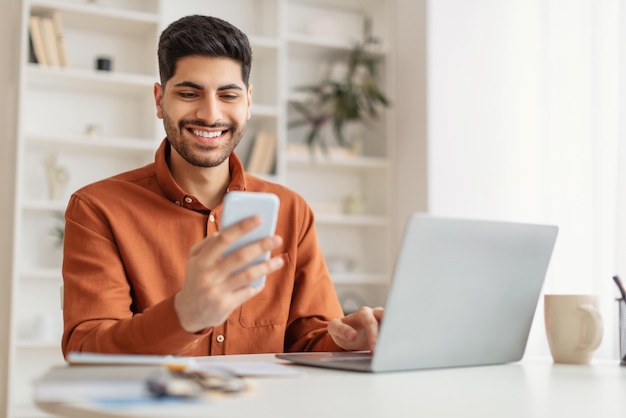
(229, 96)
(187, 94)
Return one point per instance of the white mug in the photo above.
(573, 326)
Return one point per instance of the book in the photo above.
(36, 36)
(262, 154)
(32, 58)
(57, 24)
(49, 41)
(85, 358)
(75, 383)
(201, 364)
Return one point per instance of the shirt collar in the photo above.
(176, 194)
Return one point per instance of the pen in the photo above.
(620, 286)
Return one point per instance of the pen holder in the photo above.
(622, 331)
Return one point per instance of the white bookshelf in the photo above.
(56, 107)
(316, 34)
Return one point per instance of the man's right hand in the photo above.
(212, 290)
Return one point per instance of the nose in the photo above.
(210, 110)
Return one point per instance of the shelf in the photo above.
(44, 205)
(82, 142)
(316, 49)
(44, 274)
(359, 278)
(93, 80)
(324, 46)
(337, 161)
(344, 5)
(264, 42)
(318, 42)
(264, 110)
(94, 17)
(38, 344)
(351, 220)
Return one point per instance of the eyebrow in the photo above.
(197, 86)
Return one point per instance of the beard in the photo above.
(197, 154)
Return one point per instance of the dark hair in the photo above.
(206, 36)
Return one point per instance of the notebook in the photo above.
(463, 293)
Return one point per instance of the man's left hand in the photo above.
(357, 331)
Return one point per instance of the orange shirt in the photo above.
(126, 244)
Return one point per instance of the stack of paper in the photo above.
(112, 377)
(76, 383)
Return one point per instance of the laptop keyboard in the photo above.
(350, 357)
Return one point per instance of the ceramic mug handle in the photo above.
(592, 328)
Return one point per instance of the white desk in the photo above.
(531, 388)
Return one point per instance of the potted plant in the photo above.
(349, 93)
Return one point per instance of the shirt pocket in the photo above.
(271, 306)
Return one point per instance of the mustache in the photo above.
(204, 124)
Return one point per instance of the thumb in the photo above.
(338, 329)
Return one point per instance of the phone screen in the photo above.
(241, 205)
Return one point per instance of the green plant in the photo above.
(58, 230)
(352, 97)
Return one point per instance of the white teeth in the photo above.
(207, 134)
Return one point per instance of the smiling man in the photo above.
(144, 268)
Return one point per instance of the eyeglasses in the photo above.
(181, 383)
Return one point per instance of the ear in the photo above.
(249, 101)
(158, 99)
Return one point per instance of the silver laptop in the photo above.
(463, 293)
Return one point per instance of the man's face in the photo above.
(205, 107)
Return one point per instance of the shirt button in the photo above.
(211, 218)
(220, 338)
(177, 202)
(188, 199)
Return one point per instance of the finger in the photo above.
(243, 294)
(215, 312)
(240, 228)
(249, 253)
(340, 330)
(239, 285)
(236, 289)
(378, 313)
(213, 246)
(372, 333)
(368, 323)
(207, 254)
(372, 337)
(254, 272)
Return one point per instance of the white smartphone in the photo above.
(241, 205)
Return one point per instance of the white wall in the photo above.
(484, 125)
(9, 45)
(409, 112)
(523, 125)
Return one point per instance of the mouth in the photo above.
(208, 136)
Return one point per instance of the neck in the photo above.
(208, 184)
